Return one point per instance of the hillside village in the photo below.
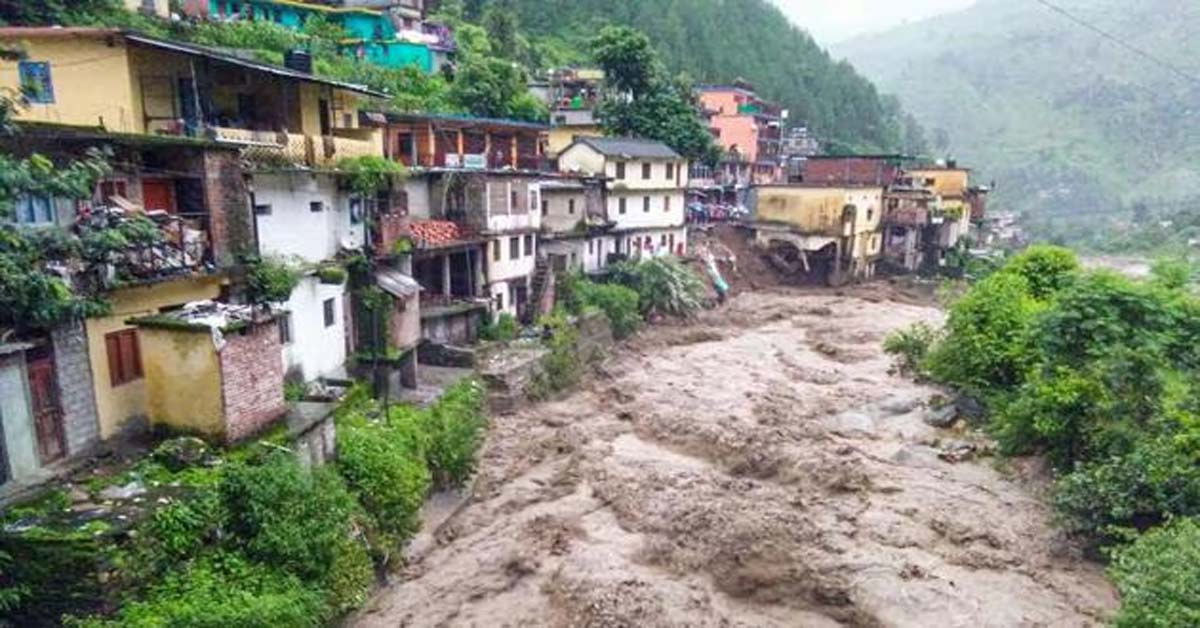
(272, 235)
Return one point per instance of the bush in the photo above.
(1159, 578)
(220, 591)
(619, 304)
(1108, 500)
(985, 351)
(285, 516)
(270, 280)
(911, 345)
(503, 329)
(560, 367)
(384, 464)
(455, 427)
(1046, 269)
(663, 285)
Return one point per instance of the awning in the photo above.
(397, 283)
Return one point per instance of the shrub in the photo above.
(384, 464)
(663, 284)
(619, 304)
(455, 427)
(282, 515)
(270, 280)
(910, 346)
(985, 351)
(220, 591)
(1159, 578)
(174, 534)
(1108, 499)
(1046, 269)
(560, 367)
(503, 329)
(1172, 274)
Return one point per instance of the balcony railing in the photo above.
(268, 147)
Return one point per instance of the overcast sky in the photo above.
(831, 21)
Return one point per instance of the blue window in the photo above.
(36, 86)
(35, 210)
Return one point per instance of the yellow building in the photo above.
(129, 83)
(951, 185)
(115, 347)
(832, 232)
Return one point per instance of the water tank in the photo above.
(298, 60)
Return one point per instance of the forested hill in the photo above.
(720, 40)
(1067, 121)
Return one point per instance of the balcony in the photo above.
(907, 216)
(293, 149)
(177, 245)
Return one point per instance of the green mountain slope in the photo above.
(720, 40)
(1065, 120)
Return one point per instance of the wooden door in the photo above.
(157, 195)
(47, 414)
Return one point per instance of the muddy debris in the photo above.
(758, 468)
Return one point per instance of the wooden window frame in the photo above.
(124, 352)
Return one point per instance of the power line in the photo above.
(1166, 65)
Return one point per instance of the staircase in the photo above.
(542, 290)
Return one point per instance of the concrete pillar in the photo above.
(446, 275)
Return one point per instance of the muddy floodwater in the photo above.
(761, 467)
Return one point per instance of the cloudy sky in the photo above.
(831, 21)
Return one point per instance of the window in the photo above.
(285, 329)
(662, 240)
(356, 210)
(35, 210)
(514, 248)
(512, 201)
(109, 189)
(646, 171)
(330, 315)
(263, 209)
(620, 170)
(316, 206)
(670, 171)
(545, 207)
(124, 356)
(671, 241)
(666, 203)
(591, 247)
(646, 204)
(36, 85)
(870, 213)
(528, 245)
(499, 301)
(621, 205)
(571, 206)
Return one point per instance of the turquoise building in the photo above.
(372, 33)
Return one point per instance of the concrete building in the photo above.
(749, 130)
(572, 96)
(644, 199)
(828, 233)
(877, 170)
(576, 233)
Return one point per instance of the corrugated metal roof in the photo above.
(397, 283)
(628, 147)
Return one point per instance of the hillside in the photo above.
(1064, 120)
(719, 40)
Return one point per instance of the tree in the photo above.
(500, 22)
(643, 101)
(494, 88)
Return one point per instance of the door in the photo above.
(187, 106)
(156, 195)
(323, 109)
(47, 414)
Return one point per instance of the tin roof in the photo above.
(627, 147)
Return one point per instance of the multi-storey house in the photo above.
(572, 96)
(576, 232)
(748, 129)
(644, 194)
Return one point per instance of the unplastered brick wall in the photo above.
(252, 380)
(228, 205)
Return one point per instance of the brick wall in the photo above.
(228, 200)
(850, 171)
(252, 380)
(73, 371)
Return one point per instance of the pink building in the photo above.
(748, 128)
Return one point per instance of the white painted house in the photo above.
(302, 215)
(513, 217)
(575, 232)
(646, 182)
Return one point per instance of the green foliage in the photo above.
(11, 595)
(911, 345)
(1159, 578)
(270, 280)
(663, 285)
(286, 517)
(1046, 269)
(32, 297)
(619, 303)
(383, 463)
(294, 391)
(494, 88)
(644, 101)
(455, 426)
(503, 329)
(561, 367)
(218, 591)
(1172, 274)
(368, 175)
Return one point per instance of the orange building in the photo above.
(749, 130)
